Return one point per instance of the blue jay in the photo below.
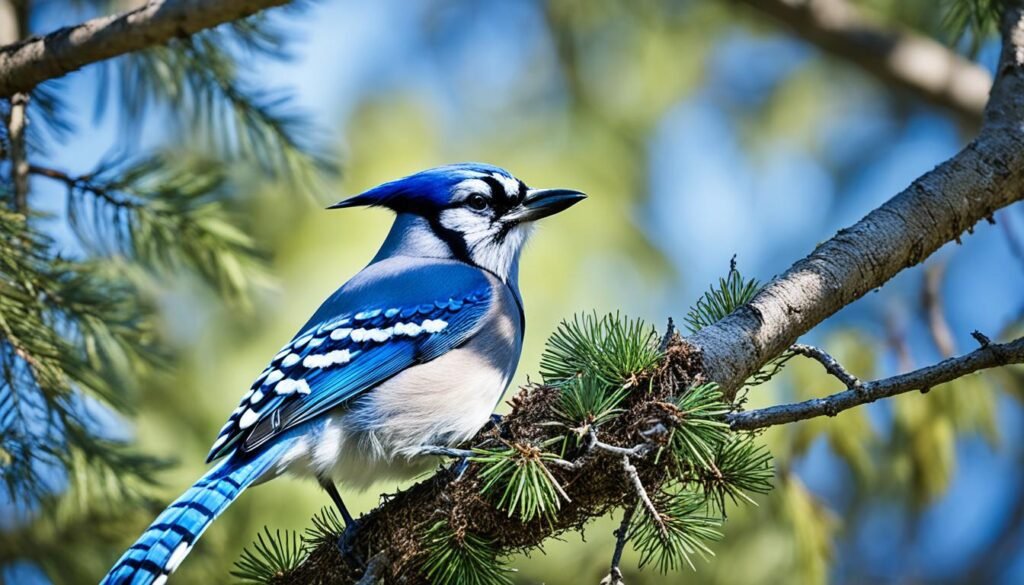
(412, 354)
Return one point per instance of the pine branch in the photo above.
(198, 82)
(165, 213)
(28, 63)
(67, 331)
(990, 355)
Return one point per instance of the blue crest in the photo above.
(429, 188)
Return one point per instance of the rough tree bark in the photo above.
(28, 63)
(899, 58)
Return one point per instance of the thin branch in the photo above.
(938, 207)
(670, 333)
(832, 366)
(641, 493)
(898, 58)
(635, 451)
(28, 63)
(621, 533)
(15, 17)
(16, 123)
(988, 356)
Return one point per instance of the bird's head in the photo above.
(473, 212)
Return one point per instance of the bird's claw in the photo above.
(346, 545)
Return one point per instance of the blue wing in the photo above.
(386, 319)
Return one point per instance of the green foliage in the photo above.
(732, 292)
(612, 349)
(327, 525)
(678, 531)
(168, 213)
(740, 466)
(974, 19)
(69, 332)
(519, 474)
(270, 556)
(700, 432)
(587, 401)
(197, 79)
(460, 559)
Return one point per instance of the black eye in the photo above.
(477, 202)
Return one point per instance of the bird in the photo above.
(407, 358)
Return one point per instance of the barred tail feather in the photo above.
(162, 547)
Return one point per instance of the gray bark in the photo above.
(988, 356)
(28, 63)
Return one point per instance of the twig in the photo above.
(16, 122)
(988, 356)
(621, 537)
(670, 332)
(621, 533)
(445, 451)
(635, 451)
(981, 338)
(15, 25)
(832, 366)
(641, 492)
(28, 63)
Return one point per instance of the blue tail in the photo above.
(161, 548)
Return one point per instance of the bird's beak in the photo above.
(540, 203)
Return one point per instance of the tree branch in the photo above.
(985, 357)
(28, 63)
(899, 58)
(831, 365)
(938, 207)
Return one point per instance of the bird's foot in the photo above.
(346, 545)
(460, 467)
(444, 451)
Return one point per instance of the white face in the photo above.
(477, 214)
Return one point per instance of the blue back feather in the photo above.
(381, 301)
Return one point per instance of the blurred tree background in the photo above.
(185, 198)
